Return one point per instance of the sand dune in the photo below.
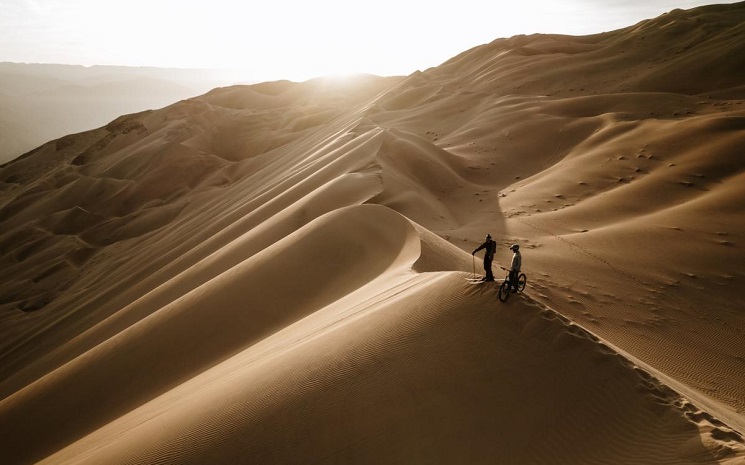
(276, 273)
(425, 372)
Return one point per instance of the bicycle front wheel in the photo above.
(504, 291)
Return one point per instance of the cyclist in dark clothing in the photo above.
(490, 247)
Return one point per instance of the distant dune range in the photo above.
(275, 273)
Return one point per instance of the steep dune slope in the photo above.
(425, 371)
(236, 309)
(102, 173)
(274, 273)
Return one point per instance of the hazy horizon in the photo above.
(291, 40)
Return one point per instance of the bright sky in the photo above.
(293, 39)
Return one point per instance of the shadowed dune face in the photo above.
(273, 269)
(230, 311)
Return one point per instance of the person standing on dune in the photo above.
(490, 247)
(517, 263)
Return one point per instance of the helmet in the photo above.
(488, 236)
(515, 247)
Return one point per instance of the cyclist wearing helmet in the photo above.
(517, 261)
(490, 247)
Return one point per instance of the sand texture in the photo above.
(277, 273)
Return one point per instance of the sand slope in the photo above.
(276, 273)
(426, 371)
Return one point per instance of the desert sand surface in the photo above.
(278, 273)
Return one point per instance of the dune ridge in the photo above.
(276, 273)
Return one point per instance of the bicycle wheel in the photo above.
(504, 291)
(522, 280)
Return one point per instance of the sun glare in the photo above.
(342, 76)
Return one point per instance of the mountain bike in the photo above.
(504, 289)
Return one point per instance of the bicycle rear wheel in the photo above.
(522, 280)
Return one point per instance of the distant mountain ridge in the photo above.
(40, 102)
